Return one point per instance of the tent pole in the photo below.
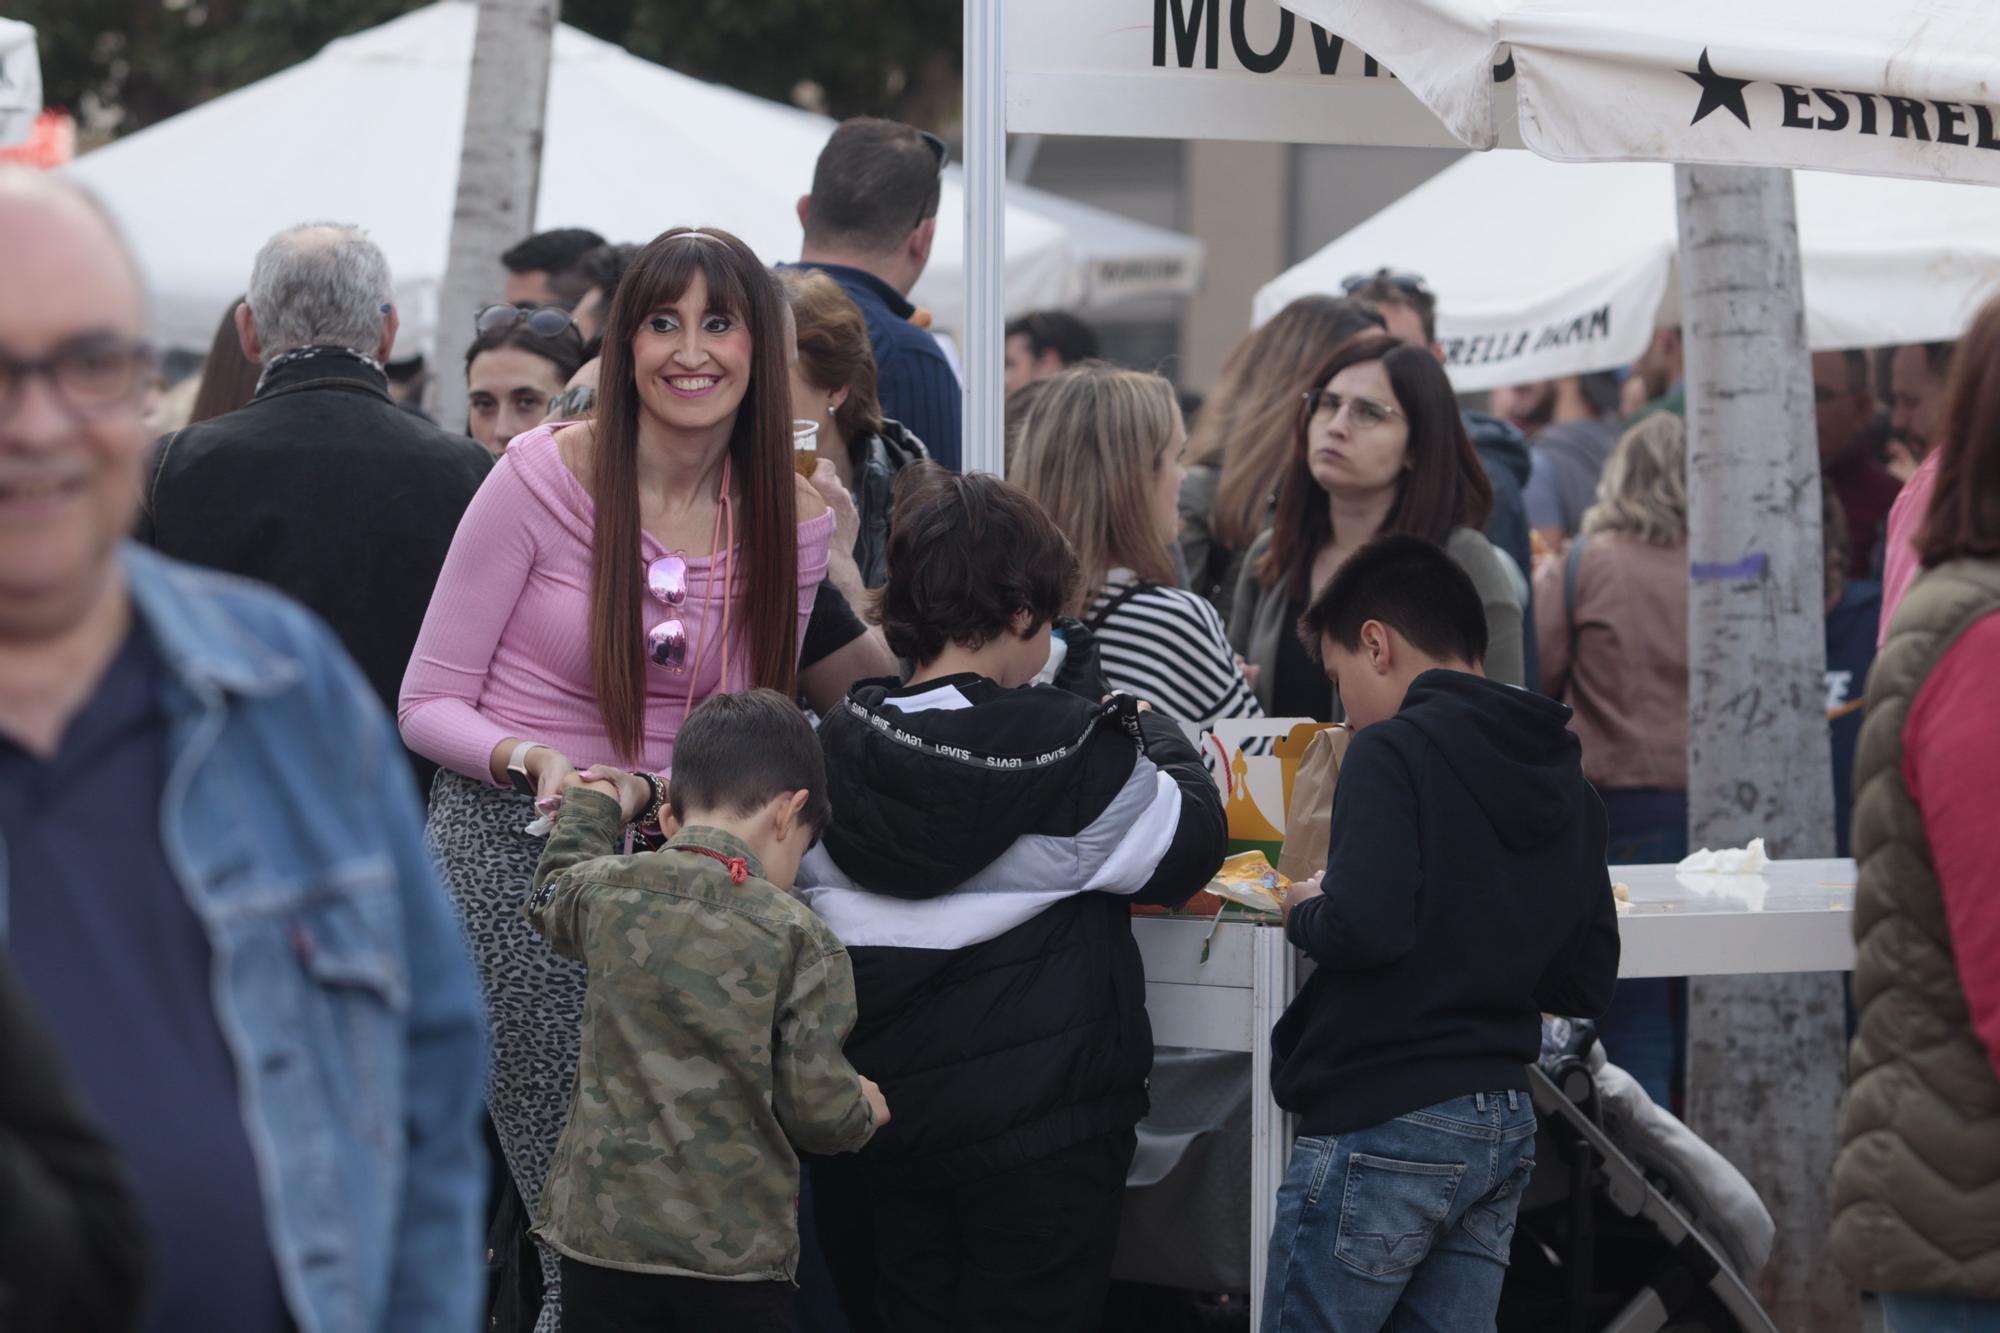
(985, 117)
(499, 172)
(1766, 1052)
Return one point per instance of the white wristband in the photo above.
(521, 753)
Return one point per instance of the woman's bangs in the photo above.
(659, 280)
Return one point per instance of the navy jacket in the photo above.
(1465, 895)
(912, 377)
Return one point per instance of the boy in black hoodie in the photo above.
(1465, 893)
(988, 840)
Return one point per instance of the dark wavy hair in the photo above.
(760, 450)
(1444, 487)
(967, 554)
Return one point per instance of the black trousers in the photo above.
(1026, 1251)
(611, 1300)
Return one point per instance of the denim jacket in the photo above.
(341, 979)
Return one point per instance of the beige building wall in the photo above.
(1237, 200)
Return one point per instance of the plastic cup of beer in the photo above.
(805, 446)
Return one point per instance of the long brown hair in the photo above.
(1091, 444)
(1964, 517)
(1443, 487)
(1249, 420)
(760, 451)
(228, 378)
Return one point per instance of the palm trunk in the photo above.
(1766, 1053)
(499, 172)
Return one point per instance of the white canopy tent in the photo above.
(1880, 89)
(631, 149)
(1570, 267)
(20, 81)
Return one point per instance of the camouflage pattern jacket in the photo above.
(712, 1033)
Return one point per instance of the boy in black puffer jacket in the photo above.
(988, 840)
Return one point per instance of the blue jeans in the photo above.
(1402, 1226)
(1939, 1314)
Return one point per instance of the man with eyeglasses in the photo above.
(869, 224)
(322, 487)
(1409, 307)
(213, 884)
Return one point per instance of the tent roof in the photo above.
(369, 132)
(1544, 269)
(1788, 83)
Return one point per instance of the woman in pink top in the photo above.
(607, 578)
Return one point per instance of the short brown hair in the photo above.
(738, 751)
(833, 348)
(967, 554)
(1964, 518)
(875, 182)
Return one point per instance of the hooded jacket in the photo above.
(1465, 894)
(985, 849)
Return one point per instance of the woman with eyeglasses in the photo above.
(609, 576)
(1378, 446)
(520, 361)
(1243, 439)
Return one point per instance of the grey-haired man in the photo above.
(322, 486)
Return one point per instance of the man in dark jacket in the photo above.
(987, 843)
(1464, 894)
(869, 224)
(1410, 309)
(321, 487)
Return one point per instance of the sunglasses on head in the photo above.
(546, 321)
(1413, 283)
(942, 152)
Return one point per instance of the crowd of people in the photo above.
(695, 873)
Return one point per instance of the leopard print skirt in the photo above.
(534, 998)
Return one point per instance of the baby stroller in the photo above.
(1631, 1223)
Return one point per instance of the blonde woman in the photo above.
(1611, 620)
(1103, 451)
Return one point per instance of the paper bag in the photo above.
(1255, 761)
(1309, 813)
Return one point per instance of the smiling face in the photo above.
(692, 362)
(71, 431)
(1362, 448)
(508, 389)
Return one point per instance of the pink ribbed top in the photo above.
(505, 647)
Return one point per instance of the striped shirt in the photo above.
(1167, 646)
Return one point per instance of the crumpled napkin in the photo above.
(1749, 860)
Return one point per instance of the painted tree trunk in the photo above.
(1767, 1054)
(499, 172)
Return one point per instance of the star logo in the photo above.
(1718, 93)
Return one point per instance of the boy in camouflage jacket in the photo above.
(712, 1030)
